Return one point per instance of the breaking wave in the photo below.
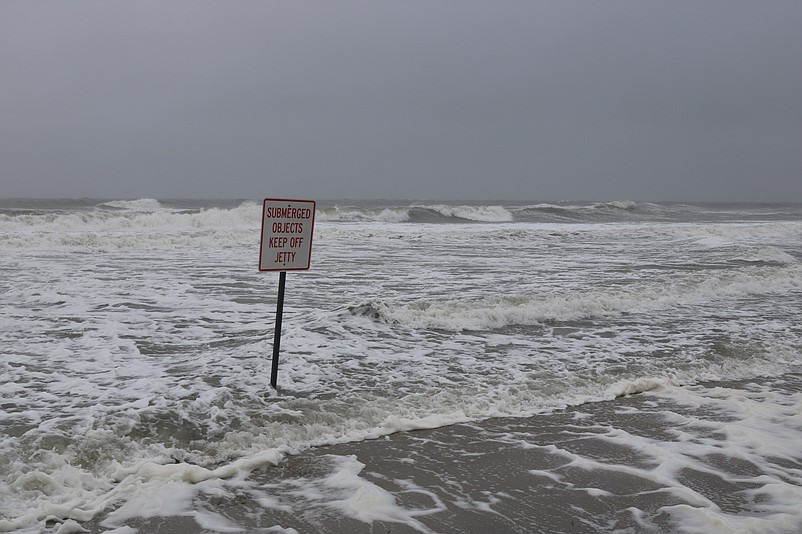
(525, 310)
(123, 224)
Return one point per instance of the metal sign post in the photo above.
(282, 279)
(286, 245)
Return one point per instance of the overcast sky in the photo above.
(425, 99)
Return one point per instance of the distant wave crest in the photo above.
(420, 213)
(150, 223)
(472, 213)
(142, 204)
(354, 214)
(618, 204)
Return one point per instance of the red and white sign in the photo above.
(286, 234)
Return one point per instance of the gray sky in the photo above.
(435, 99)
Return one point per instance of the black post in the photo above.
(277, 335)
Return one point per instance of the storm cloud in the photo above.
(642, 100)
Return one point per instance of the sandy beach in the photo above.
(639, 463)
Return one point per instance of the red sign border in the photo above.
(262, 235)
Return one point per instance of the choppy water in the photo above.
(135, 336)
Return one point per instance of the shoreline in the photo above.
(651, 462)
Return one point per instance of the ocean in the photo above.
(445, 367)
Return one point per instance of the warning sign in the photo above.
(286, 234)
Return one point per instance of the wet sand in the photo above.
(579, 469)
